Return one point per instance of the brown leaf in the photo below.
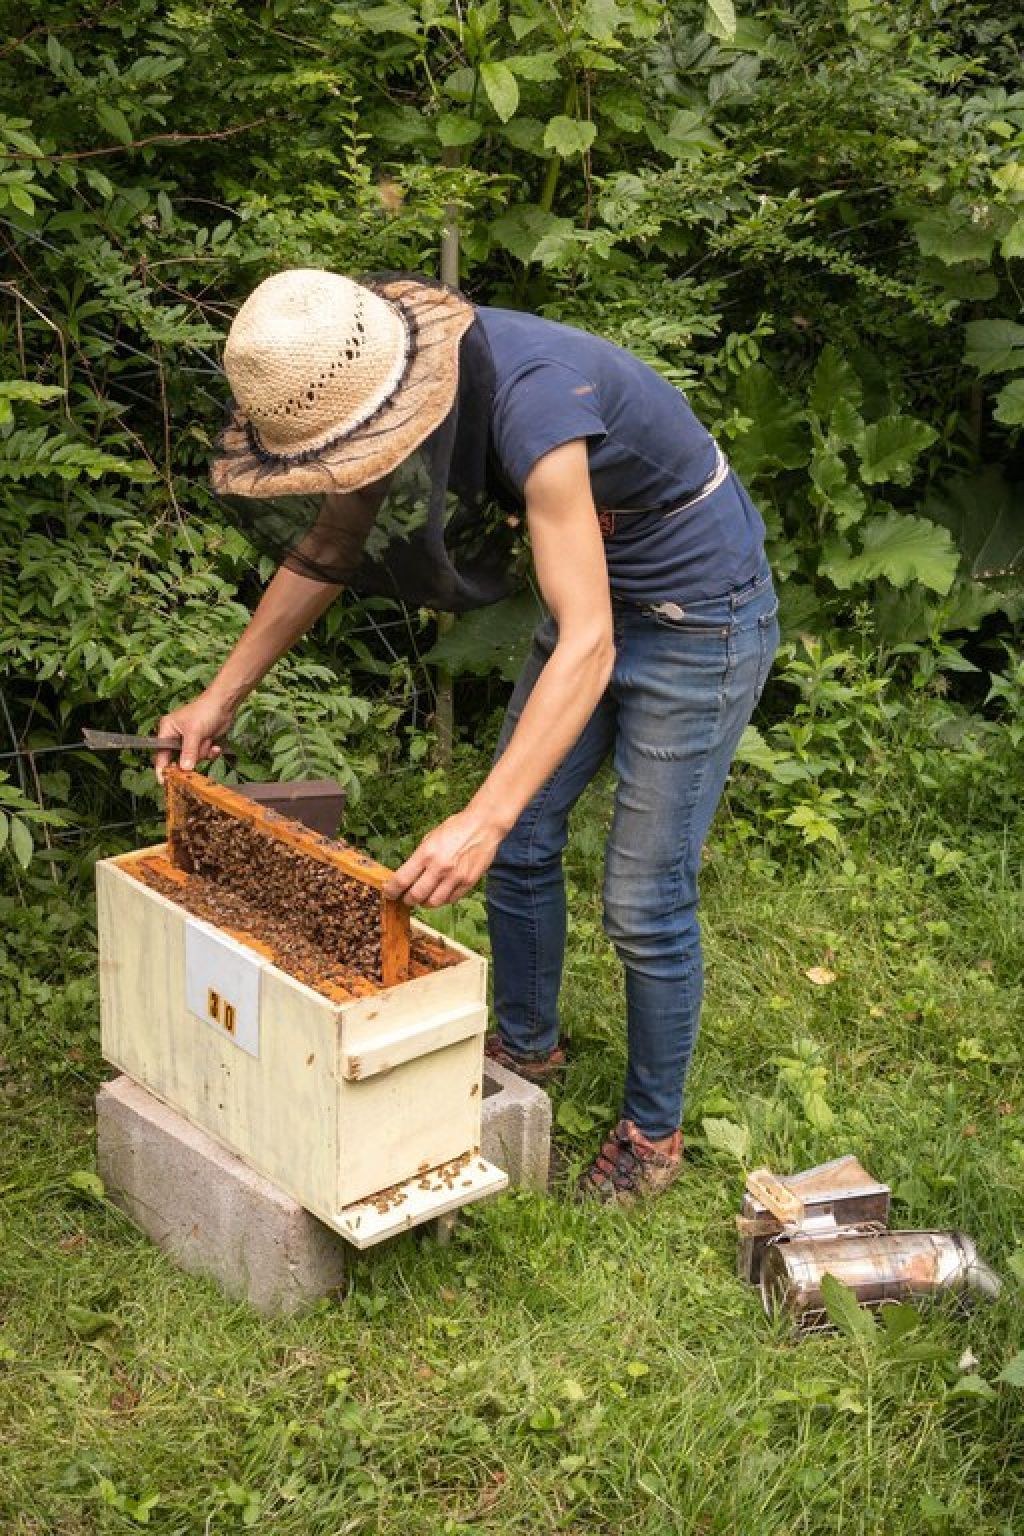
(392, 196)
(491, 1491)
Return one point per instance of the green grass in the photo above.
(557, 1369)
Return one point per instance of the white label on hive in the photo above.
(222, 984)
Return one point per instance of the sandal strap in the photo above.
(619, 1165)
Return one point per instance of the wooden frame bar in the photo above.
(394, 915)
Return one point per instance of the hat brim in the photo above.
(439, 318)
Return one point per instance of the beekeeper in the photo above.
(389, 435)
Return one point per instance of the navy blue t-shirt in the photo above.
(646, 450)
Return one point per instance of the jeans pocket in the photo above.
(691, 621)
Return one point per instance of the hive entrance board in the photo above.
(312, 905)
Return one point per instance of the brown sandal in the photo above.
(536, 1069)
(629, 1167)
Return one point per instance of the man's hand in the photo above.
(198, 724)
(448, 863)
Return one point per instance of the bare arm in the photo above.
(291, 603)
(286, 610)
(573, 577)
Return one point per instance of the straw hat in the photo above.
(335, 382)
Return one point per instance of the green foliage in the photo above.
(809, 219)
(865, 738)
(728, 1137)
(845, 1312)
(902, 549)
(492, 639)
(555, 1367)
(20, 816)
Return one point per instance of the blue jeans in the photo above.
(681, 692)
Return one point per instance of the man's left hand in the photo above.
(448, 863)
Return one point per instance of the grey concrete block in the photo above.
(516, 1127)
(208, 1211)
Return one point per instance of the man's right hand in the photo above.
(198, 724)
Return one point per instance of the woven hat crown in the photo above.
(311, 355)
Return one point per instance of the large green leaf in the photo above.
(460, 85)
(114, 121)
(391, 18)
(569, 136)
(953, 238)
(21, 841)
(600, 19)
(501, 86)
(534, 66)
(720, 19)
(1009, 407)
(833, 489)
(846, 424)
(454, 130)
(834, 381)
(777, 436)
(901, 549)
(971, 280)
(1010, 178)
(525, 133)
(24, 389)
(915, 613)
(994, 346)
(495, 639)
(1012, 243)
(1012, 1372)
(890, 448)
(985, 515)
(559, 246)
(685, 137)
(522, 230)
(402, 126)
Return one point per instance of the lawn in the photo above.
(557, 1368)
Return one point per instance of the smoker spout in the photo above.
(982, 1278)
(969, 1272)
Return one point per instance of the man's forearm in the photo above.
(289, 606)
(562, 701)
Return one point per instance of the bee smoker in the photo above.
(877, 1266)
(841, 1192)
(815, 1239)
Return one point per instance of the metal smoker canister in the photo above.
(878, 1267)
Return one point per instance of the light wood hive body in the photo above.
(359, 1094)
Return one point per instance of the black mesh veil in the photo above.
(438, 530)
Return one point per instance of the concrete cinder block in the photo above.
(208, 1211)
(516, 1127)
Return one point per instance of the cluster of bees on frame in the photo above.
(315, 918)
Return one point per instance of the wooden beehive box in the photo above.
(254, 978)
